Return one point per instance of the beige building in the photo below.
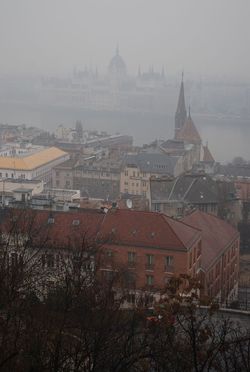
(138, 169)
(62, 175)
(36, 166)
(98, 179)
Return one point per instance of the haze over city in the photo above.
(202, 37)
(125, 185)
(208, 40)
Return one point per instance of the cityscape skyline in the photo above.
(52, 37)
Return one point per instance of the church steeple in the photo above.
(117, 50)
(181, 112)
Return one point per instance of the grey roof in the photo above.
(173, 145)
(193, 189)
(234, 170)
(152, 163)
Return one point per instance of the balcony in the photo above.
(149, 266)
(169, 268)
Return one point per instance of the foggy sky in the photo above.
(203, 37)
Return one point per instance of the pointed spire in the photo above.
(181, 113)
(117, 50)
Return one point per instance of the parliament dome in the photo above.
(117, 65)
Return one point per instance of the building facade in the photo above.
(149, 247)
(36, 166)
(219, 269)
(138, 169)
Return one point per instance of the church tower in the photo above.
(181, 113)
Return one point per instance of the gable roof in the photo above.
(216, 235)
(148, 229)
(191, 188)
(117, 226)
(188, 132)
(152, 163)
(232, 170)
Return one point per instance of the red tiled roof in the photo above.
(188, 132)
(187, 234)
(207, 156)
(216, 235)
(147, 229)
(53, 228)
(119, 226)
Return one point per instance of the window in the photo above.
(110, 254)
(75, 222)
(51, 220)
(126, 173)
(133, 173)
(169, 263)
(157, 207)
(131, 298)
(108, 275)
(149, 262)
(131, 259)
(144, 184)
(130, 279)
(149, 280)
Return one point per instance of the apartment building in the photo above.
(138, 169)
